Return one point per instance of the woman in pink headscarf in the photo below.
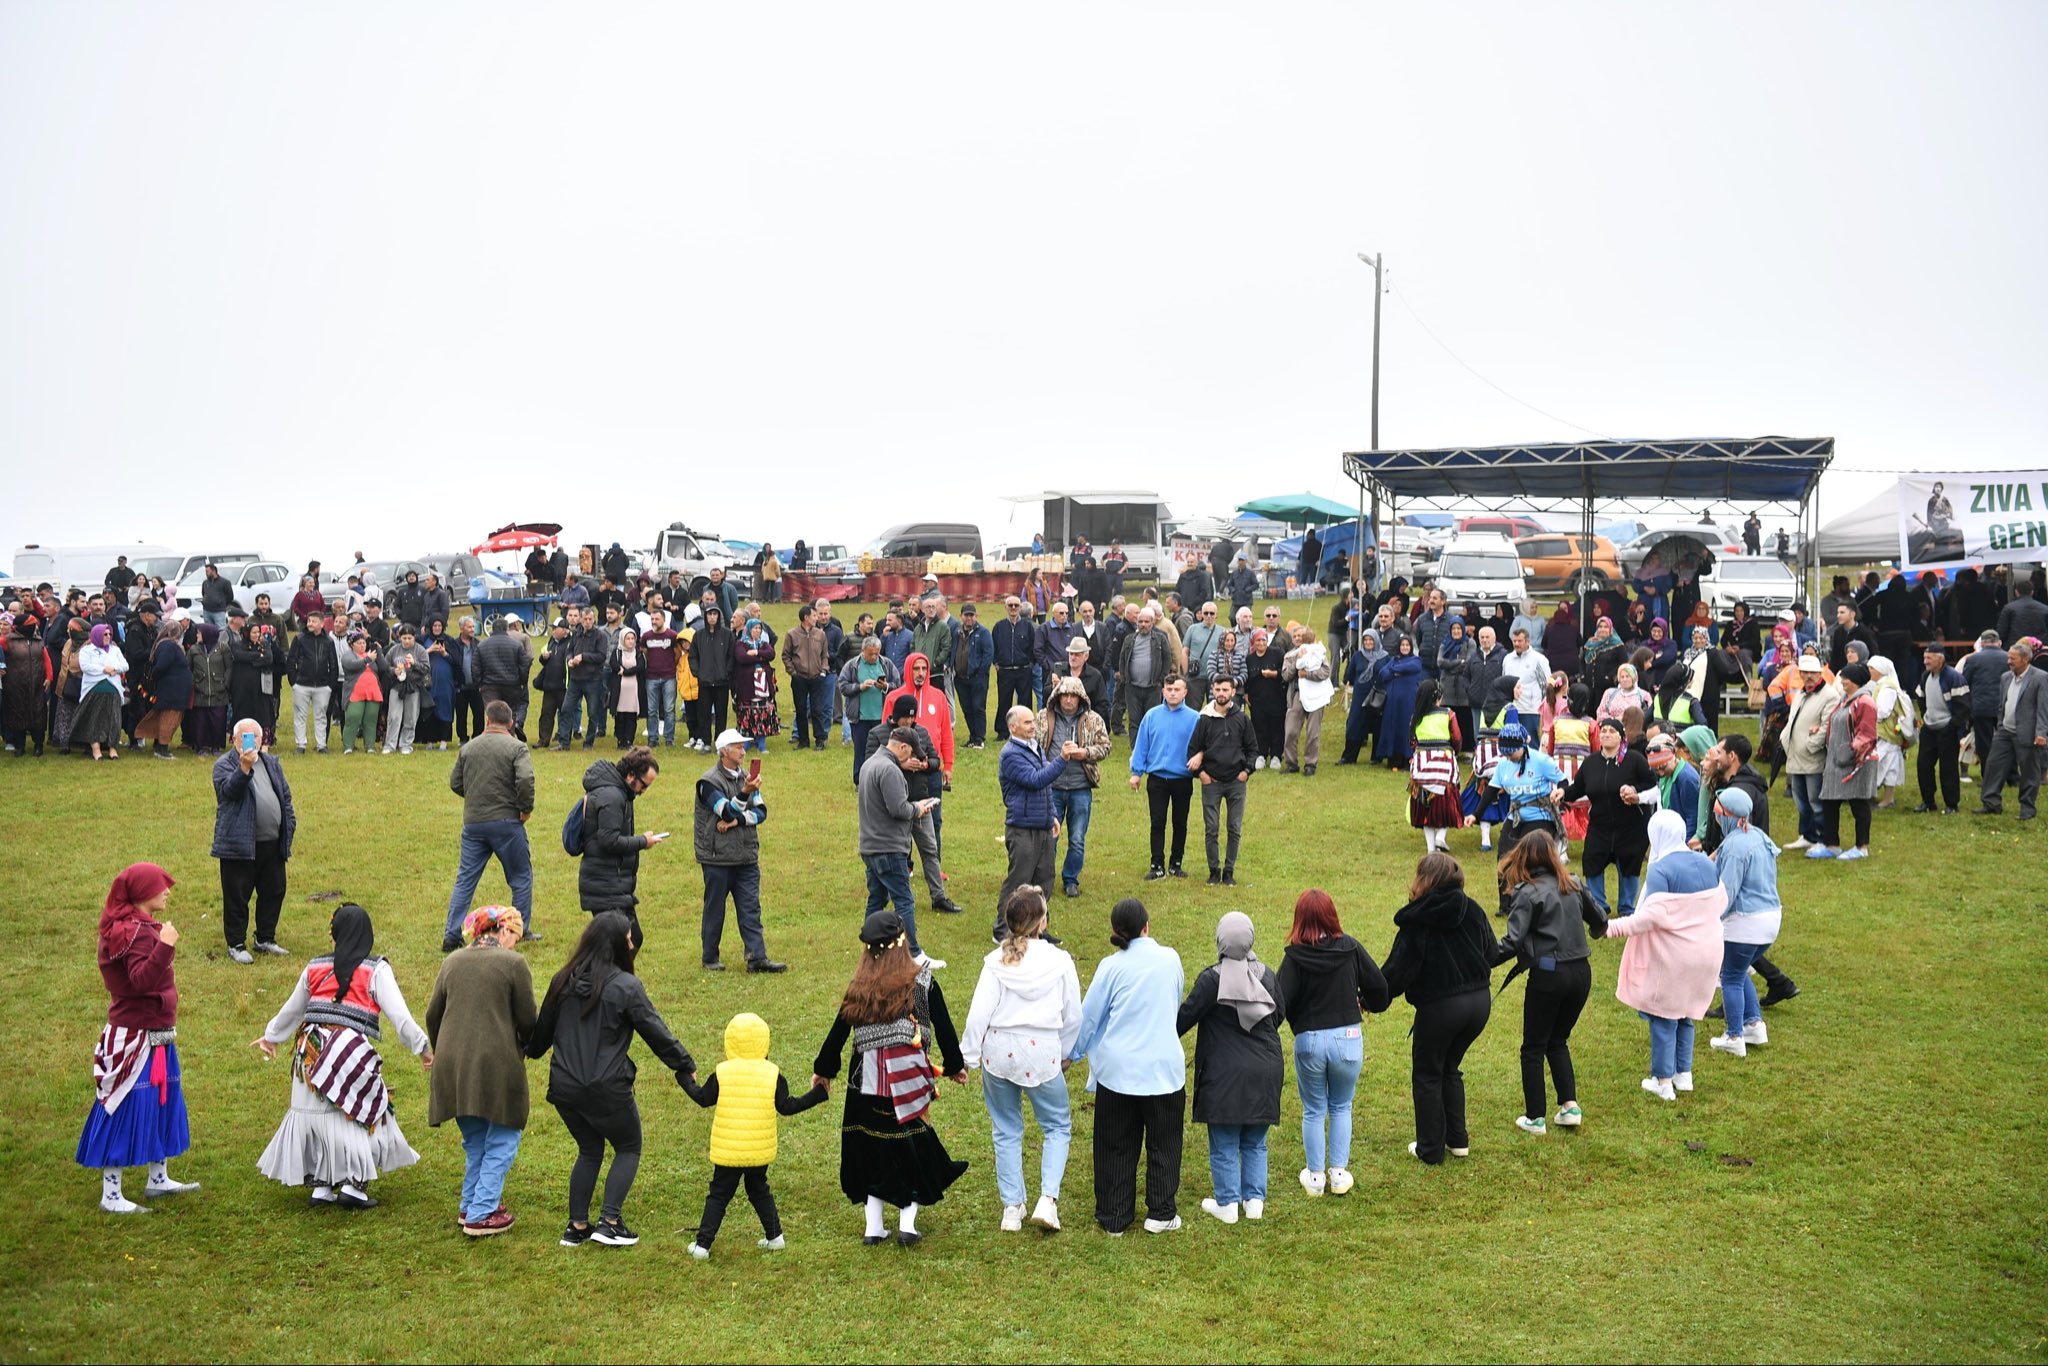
(138, 1112)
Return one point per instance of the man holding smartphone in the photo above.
(610, 874)
(728, 814)
(253, 826)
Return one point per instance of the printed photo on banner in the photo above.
(1949, 519)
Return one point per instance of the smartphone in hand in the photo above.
(754, 770)
(249, 739)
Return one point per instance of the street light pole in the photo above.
(1377, 263)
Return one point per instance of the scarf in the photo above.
(354, 938)
(1603, 641)
(102, 635)
(122, 918)
(1667, 834)
(1239, 982)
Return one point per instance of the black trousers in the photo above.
(1550, 1008)
(1941, 752)
(1982, 728)
(1442, 1032)
(469, 713)
(1831, 820)
(1137, 701)
(712, 698)
(263, 876)
(972, 691)
(1013, 689)
(550, 705)
(512, 695)
(619, 1127)
(725, 1183)
(1162, 793)
(1121, 1123)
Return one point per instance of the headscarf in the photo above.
(353, 939)
(1603, 639)
(209, 635)
(1667, 834)
(1454, 637)
(1735, 809)
(1697, 741)
(102, 635)
(173, 628)
(1239, 982)
(123, 915)
(484, 919)
(1857, 652)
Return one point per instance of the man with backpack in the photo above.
(600, 830)
(493, 775)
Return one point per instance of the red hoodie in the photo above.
(934, 712)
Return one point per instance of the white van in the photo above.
(1481, 570)
(86, 566)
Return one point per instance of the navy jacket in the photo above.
(1015, 643)
(1027, 785)
(234, 814)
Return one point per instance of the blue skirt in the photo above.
(142, 1129)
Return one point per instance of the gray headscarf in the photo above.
(1239, 982)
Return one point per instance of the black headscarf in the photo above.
(353, 940)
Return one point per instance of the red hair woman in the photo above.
(1328, 982)
(138, 1112)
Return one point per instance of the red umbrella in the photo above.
(513, 538)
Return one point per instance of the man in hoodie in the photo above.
(1070, 720)
(934, 711)
(972, 657)
(1220, 752)
(583, 688)
(1159, 760)
(610, 873)
(434, 603)
(886, 816)
(919, 783)
(1031, 824)
(728, 815)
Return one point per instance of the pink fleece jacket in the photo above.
(1672, 961)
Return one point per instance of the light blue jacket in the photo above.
(1129, 1020)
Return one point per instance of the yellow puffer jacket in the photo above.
(743, 1127)
(686, 677)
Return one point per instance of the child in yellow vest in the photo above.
(748, 1092)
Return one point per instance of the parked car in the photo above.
(914, 540)
(1555, 563)
(1483, 570)
(455, 568)
(247, 580)
(1510, 525)
(1765, 582)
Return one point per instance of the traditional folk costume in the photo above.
(342, 1129)
(888, 1153)
(1434, 806)
(1571, 744)
(1495, 710)
(754, 685)
(138, 1111)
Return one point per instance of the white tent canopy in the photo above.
(1865, 536)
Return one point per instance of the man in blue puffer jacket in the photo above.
(1031, 828)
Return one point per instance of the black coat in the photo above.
(1614, 827)
(711, 656)
(611, 851)
(1443, 945)
(1238, 1071)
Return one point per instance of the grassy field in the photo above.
(1870, 1186)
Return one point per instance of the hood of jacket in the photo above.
(746, 1037)
(1441, 909)
(910, 661)
(603, 774)
(1066, 686)
(1034, 977)
(1326, 956)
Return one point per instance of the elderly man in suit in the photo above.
(2021, 737)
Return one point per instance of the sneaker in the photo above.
(1459, 1152)
(1162, 1225)
(1662, 1090)
(702, 1254)
(1340, 1181)
(1848, 855)
(274, 950)
(1735, 1047)
(573, 1236)
(1801, 843)
(766, 965)
(1154, 873)
(1046, 1214)
(1313, 1182)
(1255, 1210)
(614, 1233)
(1571, 1116)
(240, 954)
(1259, 763)
(714, 967)
(1013, 1218)
(1226, 1214)
(1682, 1082)
(1755, 1033)
(927, 962)
(1230, 878)
(450, 943)
(1072, 889)
(1215, 877)
(497, 1221)
(1413, 1153)
(1175, 870)
(1820, 851)
(775, 1244)
(1534, 1126)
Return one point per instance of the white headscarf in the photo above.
(1667, 835)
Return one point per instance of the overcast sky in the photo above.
(384, 276)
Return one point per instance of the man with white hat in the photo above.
(1805, 741)
(729, 812)
(504, 661)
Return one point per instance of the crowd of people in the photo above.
(1612, 758)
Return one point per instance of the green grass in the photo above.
(1867, 1187)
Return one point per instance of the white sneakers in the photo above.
(1254, 1210)
(1459, 1152)
(1754, 1033)
(240, 955)
(702, 1254)
(1340, 1181)
(1260, 762)
(1162, 1225)
(925, 960)
(1535, 1126)
(1682, 1082)
(1570, 1116)
(774, 1244)
(1662, 1090)
(1013, 1218)
(1312, 1182)
(1222, 1213)
(1046, 1214)
(1801, 843)
(1734, 1047)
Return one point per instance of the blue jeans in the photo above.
(1670, 1046)
(1738, 993)
(589, 699)
(506, 839)
(1806, 798)
(216, 619)
(661, 712)
(487, 1153)
(889, 881)
(1326, 1067)
(858, 732)
(812, 699)
(1005, 1101)
(1596, 884)
(1073, 808)
(1237, 1162)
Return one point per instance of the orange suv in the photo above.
(1554, 564)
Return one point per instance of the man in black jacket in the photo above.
(727, 818)
(552, 678)
(434, 603)
(610, 872)
(1848, 626)
(2025, 615)
(1016, 646)
(314, 670)
(583, 688)
(407, 602)
(1220, 752)
(503, 662)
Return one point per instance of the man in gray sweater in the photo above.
(886, 814)
(493, 775)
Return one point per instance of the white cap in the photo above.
(729, 737)
(514, 616)
(930, 577)
(1786, 615)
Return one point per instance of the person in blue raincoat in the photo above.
(1400, 674)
